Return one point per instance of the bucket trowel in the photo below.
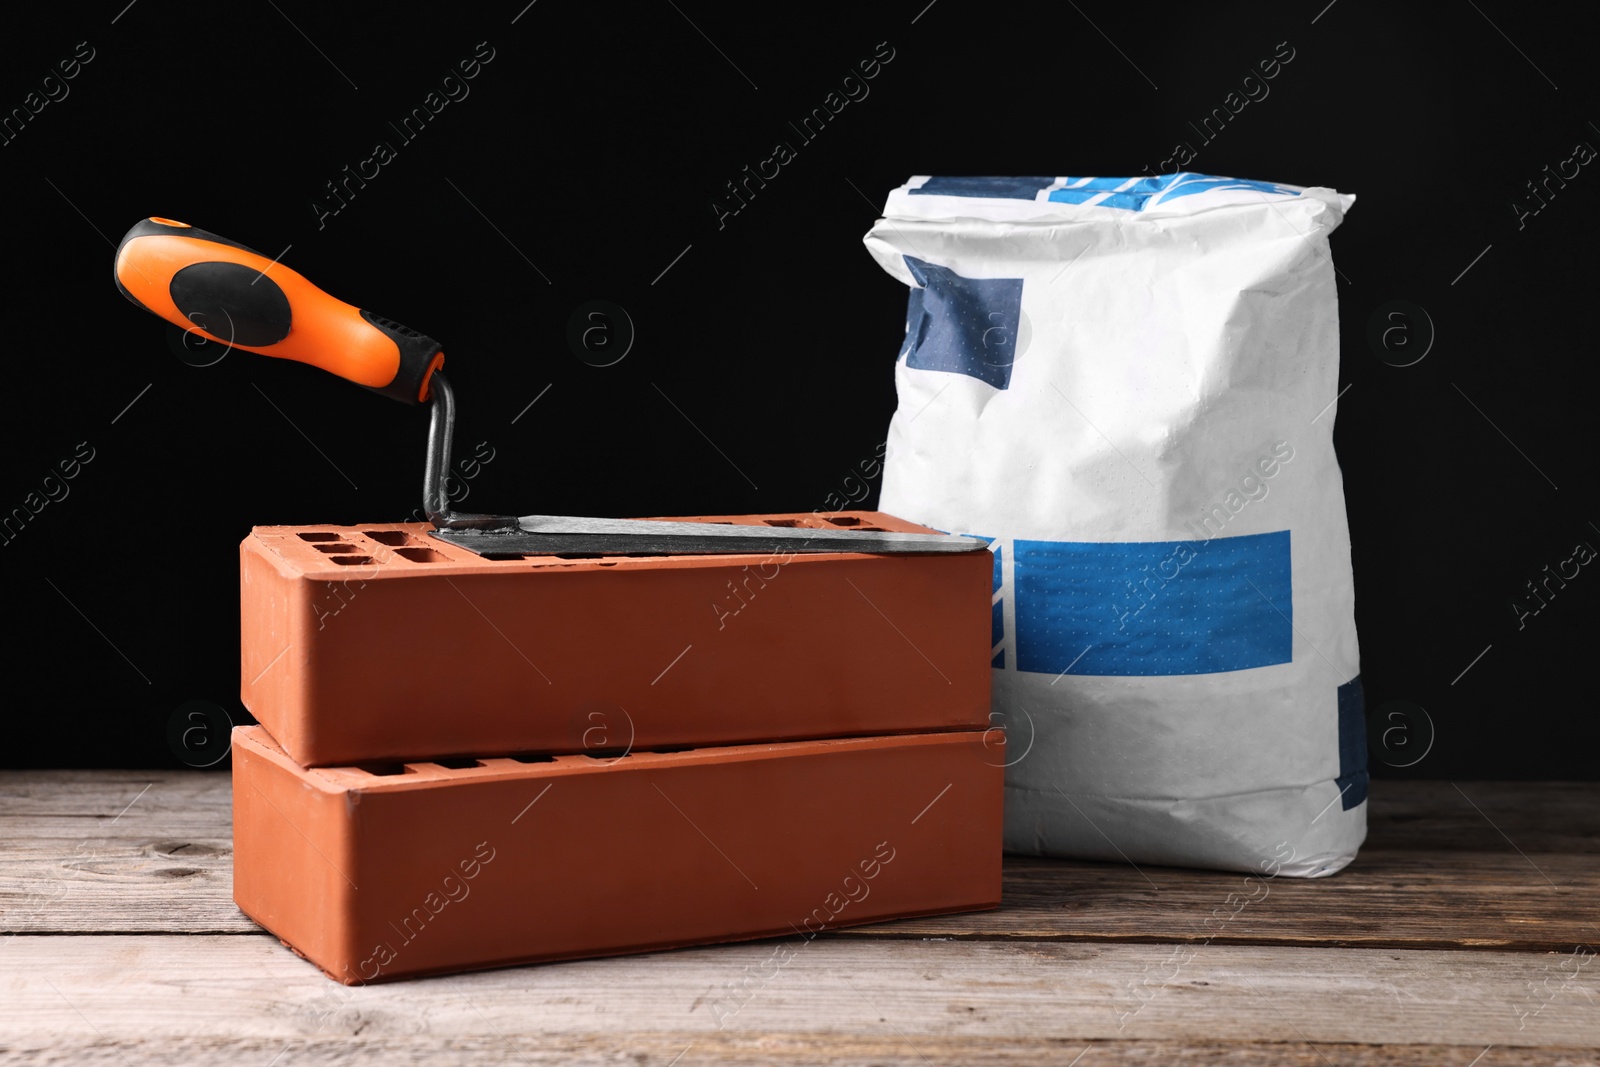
(224, 292)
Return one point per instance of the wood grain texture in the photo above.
(656, 1050)
(1485, 816)
(117, 851)
(131, 952)
(1385, 899)
(75, 857)
(95, 801)
(163, 991)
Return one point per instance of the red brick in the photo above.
(394, 645)
(372, 877)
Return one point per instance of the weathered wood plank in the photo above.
(1552, 817)
(95, 851)
(92, 802)
(76, 858)
(166, 884)
(129, 851)
(1485, 816)
(1384, 899)
(1562, 817)
(656, 1050)
(1415, 900)
(148, 991)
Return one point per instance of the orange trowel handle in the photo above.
(226, 292)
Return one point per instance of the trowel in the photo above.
(224, 292)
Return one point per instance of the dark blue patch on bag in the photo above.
(1153, 607)
(962, 325)
(991, 188)
(1352, 780)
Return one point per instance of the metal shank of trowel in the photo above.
(436, 471)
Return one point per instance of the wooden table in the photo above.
(1464, 934)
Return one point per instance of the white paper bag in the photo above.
(1129, 384)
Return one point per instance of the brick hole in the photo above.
(392, 538)
(319, 537)
(527, 757)
(422, 555)
(787, 523)
(845, 520)
(382, 770)
(458, 763)
(349, 561)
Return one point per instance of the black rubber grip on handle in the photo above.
(152, 227)
(418, 354)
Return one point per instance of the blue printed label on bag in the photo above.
(1153, 607)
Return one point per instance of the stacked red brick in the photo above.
(467, 762)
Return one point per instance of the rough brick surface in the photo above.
(379, 642)
(374, 876)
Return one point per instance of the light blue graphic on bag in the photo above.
(962, 325)
(1136, 195)
(1130, 194)
(1153, 607)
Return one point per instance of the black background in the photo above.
(584, 162)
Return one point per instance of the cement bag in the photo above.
(1129, 385)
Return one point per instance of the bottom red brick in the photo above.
(387, 871)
